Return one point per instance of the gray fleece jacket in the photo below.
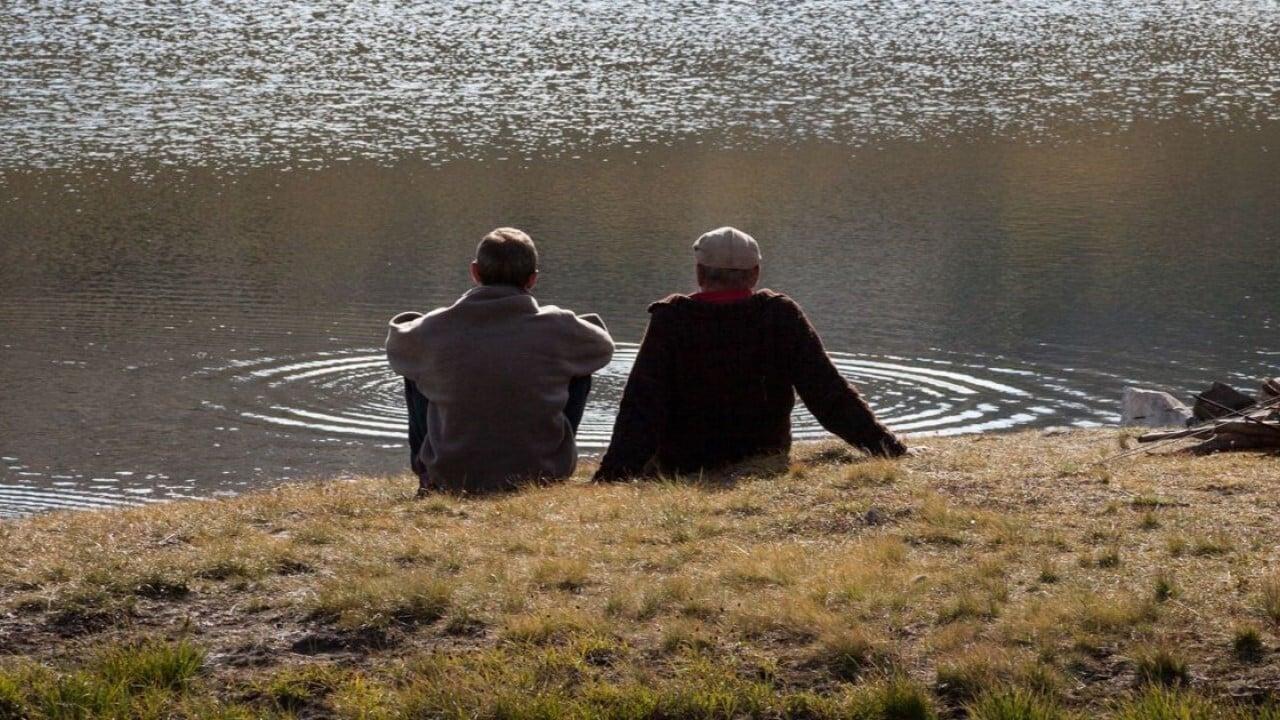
(496, 367)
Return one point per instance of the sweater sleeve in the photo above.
(404, 346)
(592, 347)
(642, 414)
(836, 404)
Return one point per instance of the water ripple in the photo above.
(355, 394)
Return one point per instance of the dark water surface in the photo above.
(998, 215)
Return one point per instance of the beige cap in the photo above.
(727, 248)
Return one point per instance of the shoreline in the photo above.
(993, 569)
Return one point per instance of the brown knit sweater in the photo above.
(715, 383)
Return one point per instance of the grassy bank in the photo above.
(999, 577)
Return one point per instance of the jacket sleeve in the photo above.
(404, 346)
(642, 414)
(592, 347)
(836, 404)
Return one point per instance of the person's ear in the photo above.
(755, 275)
(475, 273)
(700, 273)
(533, 280)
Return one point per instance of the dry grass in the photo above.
(1003, 576)
(1269, 600)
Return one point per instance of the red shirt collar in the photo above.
(722, 296)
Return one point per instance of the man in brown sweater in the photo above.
(717, 373)
(496, 383)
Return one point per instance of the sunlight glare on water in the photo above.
(231, 82)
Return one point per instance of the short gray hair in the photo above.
(727, 277)
(506, 256)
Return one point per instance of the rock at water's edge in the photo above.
(1220, 400)
(1152, 408)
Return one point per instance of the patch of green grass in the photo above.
(315, 534)
(1247, 645)
(72, 697)
(88, 609)
(362, 698)
(964, 680)
(1048, 573)
(568, 574)
(1116, 615)
(159, 585)
(1105, 557)
(682, 635)
(463, 620)
(224, 563)
(1161, 703)
(1040, 678)
(896, 698)
(11, 701)
(294, 690)
(1161, 666)
(767, 568)
(1014, 704)
(1166, 586)
(847, 653)
(655, 599)
(152, 664)
(142, 680)
(1150, 502)
(497, 686)
(228, 568)
(793, 619)
(969, 606)
(744, 507)
(871, 473)
(1071, 468)
(938, 536)
(548, 627)
(622, 603)
(1211, 545)
(409, 598)
(1149, 521)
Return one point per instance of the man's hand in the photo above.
(607, 476)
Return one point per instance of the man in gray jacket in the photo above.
(495, 383)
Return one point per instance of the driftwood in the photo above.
(1253, 427)
(1268, 429)
(1256, 427)
(1225, 443)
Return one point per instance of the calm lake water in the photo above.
(998, 214)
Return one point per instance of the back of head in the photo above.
(506, 256)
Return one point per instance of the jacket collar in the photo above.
(722, 296)
(494, 292)
(497, 296)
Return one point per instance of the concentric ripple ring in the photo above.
(355, 394)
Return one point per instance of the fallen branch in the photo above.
(1225, 443)
(1230, 427)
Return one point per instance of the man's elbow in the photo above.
(606, 350)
